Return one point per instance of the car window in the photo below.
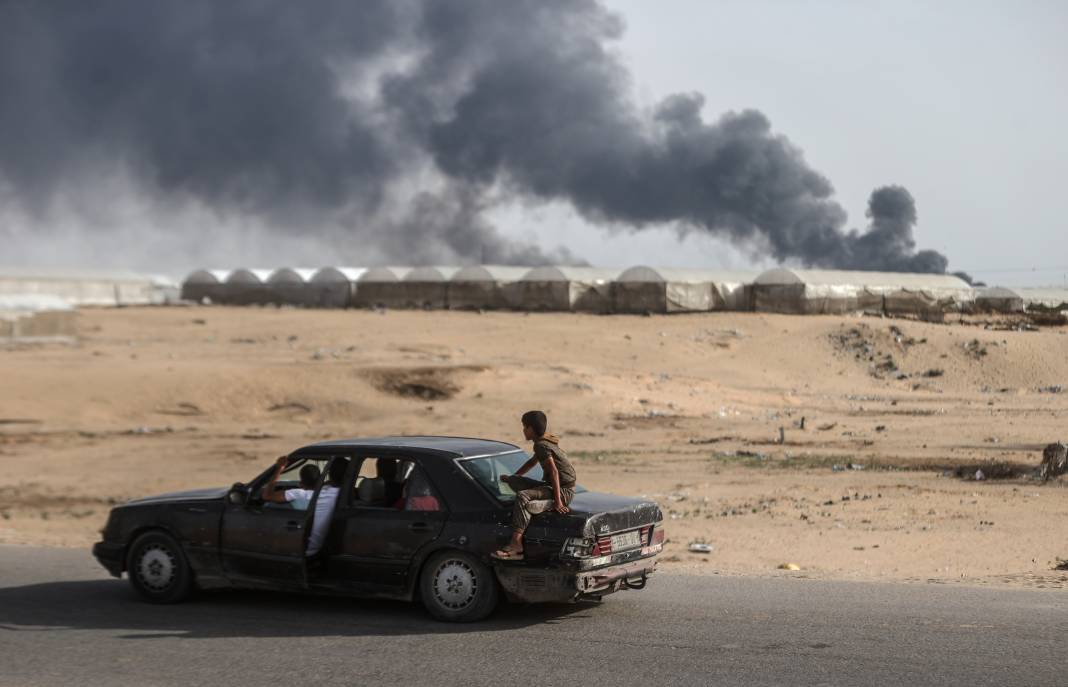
(487, 471)
(290, 477)
(419, 494)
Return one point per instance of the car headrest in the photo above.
(371, 489)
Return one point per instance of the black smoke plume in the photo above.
(395, 124)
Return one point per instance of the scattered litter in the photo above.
(789, 566)
(856, 466)
(185, 409)
(700, 548)
(979, 476)
(1052, 389)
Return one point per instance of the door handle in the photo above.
(292, 526)
(194, 509)
(419, 527)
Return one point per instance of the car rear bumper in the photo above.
(110, 556)
(535, 585)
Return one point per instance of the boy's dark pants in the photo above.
(533, 497)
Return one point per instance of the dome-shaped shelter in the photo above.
(204, 286)
(289, 286)
(380, 287)
(642, 289)
(427, 287)
(485, 287)
(998, 299)
(810, 292)
(333, 287)
(246, 287)
(566, 289)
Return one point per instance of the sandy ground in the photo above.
(875, 416)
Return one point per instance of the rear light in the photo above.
(580, 547)
(658, 536)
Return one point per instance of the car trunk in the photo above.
(593, 516)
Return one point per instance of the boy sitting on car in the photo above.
(554, 492)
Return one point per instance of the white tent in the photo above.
(246, 287)
(334, 287)
(36, 318)
(427, 287)
(1050, 298)
(643, 289)
(485, 287)
(380, 287)
(204, 284)
(997, 299)
(811, 292)
(579, 289)
(289, 286)
(89, 287)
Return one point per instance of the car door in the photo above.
(264, 542)
(377, 544)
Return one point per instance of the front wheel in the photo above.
(457, 587)
(158, 570)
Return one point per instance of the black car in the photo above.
(424, 530)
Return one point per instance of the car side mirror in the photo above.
(237, 495)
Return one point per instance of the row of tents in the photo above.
(638, 289)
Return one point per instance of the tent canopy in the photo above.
(564, 273)
(207, 277)
(429, 273)
(338, 274)
(291, 275)
(383, 274)
(490, 273)
(248, 276)
(888, 280)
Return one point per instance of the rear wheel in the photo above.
(157, 568)
(457, 587)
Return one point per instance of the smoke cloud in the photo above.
(387, 128)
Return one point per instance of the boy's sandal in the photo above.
(503, 555)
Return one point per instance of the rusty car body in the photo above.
(431, 544)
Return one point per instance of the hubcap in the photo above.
(455, 584)
(156, 568)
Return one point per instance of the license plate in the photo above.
(627, 540)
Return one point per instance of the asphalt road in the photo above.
(64, 622)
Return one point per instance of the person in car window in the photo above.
(324, 505)
(531, 496)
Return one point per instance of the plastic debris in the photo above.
(789, 566)
(697, 547)
(979, 476)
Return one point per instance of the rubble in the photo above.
(1054, 461)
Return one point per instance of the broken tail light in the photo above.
(578, 547)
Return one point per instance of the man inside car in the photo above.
(324, 505)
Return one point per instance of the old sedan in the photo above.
(421, 529)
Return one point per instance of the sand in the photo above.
(683, 409)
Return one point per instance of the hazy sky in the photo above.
(965, 103)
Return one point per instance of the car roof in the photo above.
(463, 447)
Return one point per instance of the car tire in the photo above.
(157, 568)
(457, 587)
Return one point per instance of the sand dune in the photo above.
(687, 409)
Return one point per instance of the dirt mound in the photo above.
(426, 383)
